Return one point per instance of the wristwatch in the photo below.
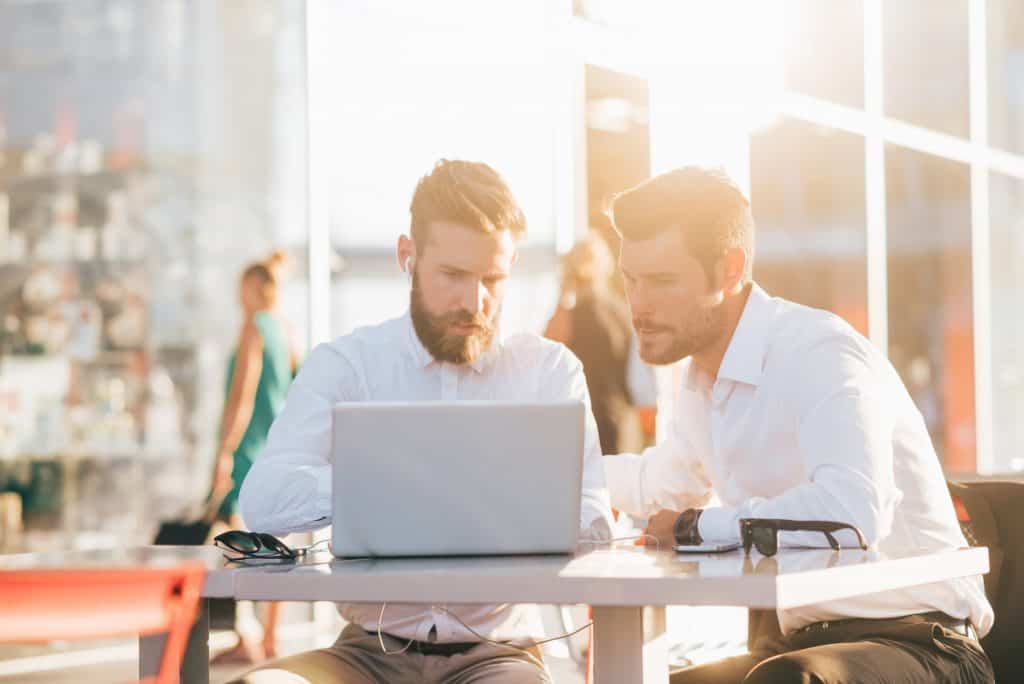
(685, 529)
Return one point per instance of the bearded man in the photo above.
(458, 257)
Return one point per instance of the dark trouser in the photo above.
(915, 648)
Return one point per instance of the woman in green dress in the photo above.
(259, 372)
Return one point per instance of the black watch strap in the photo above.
(685, 530)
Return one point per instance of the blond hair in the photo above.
(269, 272)
(589, 262)
(466, 193)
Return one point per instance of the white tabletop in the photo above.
(624, 576)
(618, 577)
(617, 582)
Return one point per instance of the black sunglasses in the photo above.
(763, 533)
(253, 545)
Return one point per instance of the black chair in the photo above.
(992, 514)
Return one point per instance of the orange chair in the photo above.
(588, 676)
(86, 603)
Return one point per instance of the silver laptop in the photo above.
(456, 478)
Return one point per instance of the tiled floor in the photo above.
(118, 662)
(697, 635)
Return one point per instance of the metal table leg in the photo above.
(195, 663)
(630, 645)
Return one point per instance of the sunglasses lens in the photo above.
(238, 540)
(272, 543)
(766, 541)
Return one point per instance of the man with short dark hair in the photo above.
(458, 256)
(786, 412)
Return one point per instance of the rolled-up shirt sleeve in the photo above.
(665, 476)
(288, 488)
(567, 381)
(845, 437)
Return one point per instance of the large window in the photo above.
(1006, 74)
(931, 339)
(147, 154)
(1007, 284)
(823, 46)
(807, 192)
(933, 172)
(926, 63)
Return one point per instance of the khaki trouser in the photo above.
(356, 658)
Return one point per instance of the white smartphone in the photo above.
(708, 547)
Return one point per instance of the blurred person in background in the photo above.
(259, 372)
(594, 323)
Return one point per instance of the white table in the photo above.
(628, 588)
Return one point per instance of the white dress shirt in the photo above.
(288, 488)
(807, 421)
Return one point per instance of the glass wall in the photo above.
(1007, 283)
(880, 210)
(931, 338)
(1005, 35)
(823, 45)
(926, 63)
(147, 154)
(807, 193)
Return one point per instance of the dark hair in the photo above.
(704, 203)
(467, 193)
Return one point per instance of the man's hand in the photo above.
(661, 526)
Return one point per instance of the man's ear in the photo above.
(733, 266)
(406, 253)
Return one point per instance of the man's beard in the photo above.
(702, 328)
(432, 331)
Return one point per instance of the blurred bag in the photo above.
(195, 532)
(181, 533)
(189, 532)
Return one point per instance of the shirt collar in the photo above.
(744, 358)
(423, 358)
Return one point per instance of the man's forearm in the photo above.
(282, 496)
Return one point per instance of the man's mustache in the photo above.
(463, 317)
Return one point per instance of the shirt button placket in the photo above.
(449, 383)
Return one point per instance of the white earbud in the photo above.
(408, 268)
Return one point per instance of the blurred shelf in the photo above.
(98, 455)
(108, 356)
(33, 261)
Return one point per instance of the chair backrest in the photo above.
(43, 605)
(992, 514)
